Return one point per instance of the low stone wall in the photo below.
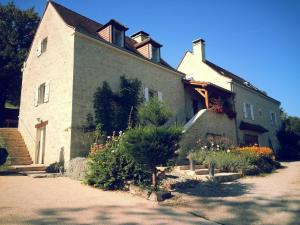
(206, 123)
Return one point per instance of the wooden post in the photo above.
(204, 94)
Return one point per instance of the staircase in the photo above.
(17, 150)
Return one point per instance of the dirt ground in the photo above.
(26, 200)
(270, 199)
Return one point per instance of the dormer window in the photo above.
(118, 37)
(113, 32)
(155, 54)
(150, 49)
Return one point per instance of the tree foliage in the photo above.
(153, 113)
(289, 137)
(151, 145)
(113, 110)
(17, 29)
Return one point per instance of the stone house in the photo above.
(257, 114)
(72, 55)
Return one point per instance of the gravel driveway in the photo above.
(26, 200)
(272, 199)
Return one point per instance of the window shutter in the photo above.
(275, 119)
(159, 95)
(252, 112)
(245, 110)
(36, 95)
(146, 94)
(271, 118)
(39, 48)
(47, 91)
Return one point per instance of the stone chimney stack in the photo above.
(199, 49)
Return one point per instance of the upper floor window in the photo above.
(150, 93)
(155, 55)
(118, 37)
(248, 111)
(273, 118)
(42, 93)
(42, 46)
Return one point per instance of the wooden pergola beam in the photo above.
(204, 94)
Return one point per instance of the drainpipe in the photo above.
(235, 120)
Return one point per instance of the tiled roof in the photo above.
(90, 27)
(235, 78)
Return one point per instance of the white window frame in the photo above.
(148, 93)
(44, 44)
(42, 92)
(245, 111)
(273, 119)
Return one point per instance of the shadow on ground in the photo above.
(112, 215)
(251, 211)
(212, 189)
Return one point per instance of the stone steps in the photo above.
(27, 168)
(17, 150)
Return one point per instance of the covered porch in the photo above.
(204, 95)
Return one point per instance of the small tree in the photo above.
(151, 146)
(153, 113)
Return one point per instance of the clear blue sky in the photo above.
(256, 39)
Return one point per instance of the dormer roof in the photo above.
(90, 27)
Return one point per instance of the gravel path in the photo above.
(272, 199)
(26, 200)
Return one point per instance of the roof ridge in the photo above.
(72, 11)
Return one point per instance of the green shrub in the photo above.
(56, 167)
(151, 146)
(109, 168)
(246, 162)
(153, 113)
(3, 152)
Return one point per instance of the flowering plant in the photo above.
(260, 151)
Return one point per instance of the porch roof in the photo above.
(253, 127)
(206, 85)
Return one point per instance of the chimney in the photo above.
(139, 36)
(199, 49)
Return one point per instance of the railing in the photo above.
(27, 130)
(10, 123)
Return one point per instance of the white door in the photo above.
(41, 137)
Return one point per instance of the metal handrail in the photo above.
(20, 120)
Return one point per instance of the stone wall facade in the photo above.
(96, 62)
(55, 66)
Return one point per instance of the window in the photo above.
(250, 140)
(155, 54)
(118, 37)
(42, 46)
(248, 111)
(150, 93)
(42, 93)
(273, 118)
